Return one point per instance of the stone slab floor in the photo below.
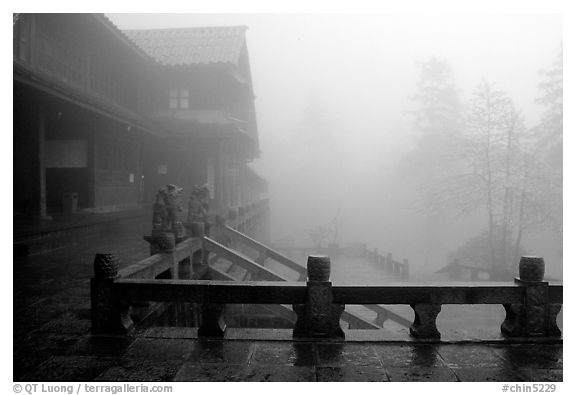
(161, 354)
(52, 341)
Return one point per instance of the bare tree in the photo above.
(551, 125)
(550, 141)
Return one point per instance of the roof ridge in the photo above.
(191, 45)
(187, 28)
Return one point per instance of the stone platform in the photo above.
(174, 354)
(52, 341)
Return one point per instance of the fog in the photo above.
(335, 107)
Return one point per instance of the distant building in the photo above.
(109, 116)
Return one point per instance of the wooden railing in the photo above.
(531, 307)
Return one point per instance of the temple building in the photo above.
(104, 117)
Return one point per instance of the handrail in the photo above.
(217, 248)
(398, 268)
(277, 309)
(155, 264)
(264, 273)
(293, 292)
(269, 252)
(425, 299)
(210, 291)
(439, 293)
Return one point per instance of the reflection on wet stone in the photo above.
(206, 351)
(336, 354)
(547, 356)
(351, 373)
(283, 353)
(211, 372)
(462, 355)
(424, 355)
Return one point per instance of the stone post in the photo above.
(164, 243)
(424, 325)
(161, 242)
(535, 316)
(319, 317)
(212, 320)
(109, 313)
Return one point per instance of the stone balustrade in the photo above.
(531, 305)
(400, 270)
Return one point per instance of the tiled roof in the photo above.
(189, 46)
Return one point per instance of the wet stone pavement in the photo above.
(52, 340)
(51, 293)
(154, 356)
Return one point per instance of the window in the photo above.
(179, 98)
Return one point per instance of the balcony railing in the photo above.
(531, 306)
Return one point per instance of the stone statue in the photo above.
(166, 207)
(198, 206)
(196, 210)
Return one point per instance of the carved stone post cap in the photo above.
(106, 265)
(531, 268)
(165, 241)
(318, 267)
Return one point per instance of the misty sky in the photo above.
(362, 68)
(361, 72)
